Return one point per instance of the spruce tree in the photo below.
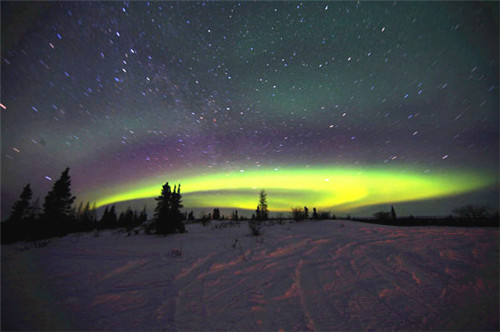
(216, 214)
(262, 212)
(79, 210)
(176, 210)
(121, 220)
(105, 218)
(393, 213)
(143, 217)
(22, 209)
(16, 228)
(255, 224)
(168, 217)
(128, 220)
(85, 216)
(93, 214)
(34, 210)
(162, 210)
(315, 214)
(112, 219)
(57, 205)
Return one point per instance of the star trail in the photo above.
(340, 105)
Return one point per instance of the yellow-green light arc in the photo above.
(321, 187)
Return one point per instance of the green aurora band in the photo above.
(321, 187)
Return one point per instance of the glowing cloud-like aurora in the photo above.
(321, 187)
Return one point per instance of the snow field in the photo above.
(324, 275)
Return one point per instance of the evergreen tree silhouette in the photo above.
(108, 219)
(34, 210)
(262, 212)
(21, 209)
(93, 215)
(105, 218)
(112, 219)
(57, 205)
(393, 213)
(176, 210)
(120, 222)
(168, 217)
(18, 226)
(143, 217)
(315, 213)
(79, 209)
(382, 215)
(128, 219)
(86, 217)
(216, 214)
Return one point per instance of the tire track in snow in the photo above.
(122, 269)
(366, 276)
(190, 311)
(319, 310)
(190, 307)
(409, 283)
(194, 268)
(419, 289)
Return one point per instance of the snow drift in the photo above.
(325, 275)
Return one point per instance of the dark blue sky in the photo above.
(120, 91)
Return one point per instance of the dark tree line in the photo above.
(299, 214)
(464, 216)
(59, 216)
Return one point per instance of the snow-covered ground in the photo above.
(325, 275)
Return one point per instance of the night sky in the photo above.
(340, 105)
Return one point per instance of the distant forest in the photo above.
(59, 216)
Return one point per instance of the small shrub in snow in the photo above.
(382, 215)
(255, 227)
(299, 214)
(239, 250)
(34, 244)
(472, 212)
(176, 252)
(41, 243)
(324, 215)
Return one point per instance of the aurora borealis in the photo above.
(324, 188)
(338, 105)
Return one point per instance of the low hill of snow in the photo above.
(324, 275)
